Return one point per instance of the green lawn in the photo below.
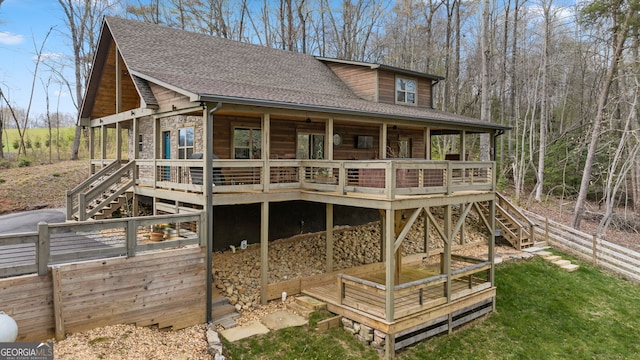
(542, 312)
(37, 137)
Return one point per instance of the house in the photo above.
(269, 141)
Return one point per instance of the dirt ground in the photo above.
(41, 186)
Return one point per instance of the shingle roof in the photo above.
(210, 68)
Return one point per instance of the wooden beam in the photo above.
(329, 230)
(57, 303)
(460, 222)
(123, 116)
(427, 143)
(103, 142)
(383, 141)
(264, 251)
(426, 230)
(207, 172)
(396, 231)
(440, 231)
(266, 172)
(447, 250)
(329, 139)
(482, 217)
(383, 226)
(406, 228)
(389, 266)
(492, 240)
(463, 145)
(118, 103)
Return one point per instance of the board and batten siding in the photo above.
(387, 89)
(361, 80)
(105, 98)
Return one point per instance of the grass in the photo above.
(36, 135)
(542, 312)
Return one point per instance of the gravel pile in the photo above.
(237, 274)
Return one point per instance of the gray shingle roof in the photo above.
(211, 68)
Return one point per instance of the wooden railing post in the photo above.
(595, 249)
(342, 178)
(546, 230)
(132, 238)
(82, 207)
(201, 230)
(69, 204)
(340, 289)
(43, 248)
(449, 178)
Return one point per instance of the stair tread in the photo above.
(571, 267)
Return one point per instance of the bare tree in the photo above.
(83, 18)
(621, 36)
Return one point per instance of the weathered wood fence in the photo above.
(598, 251)
(34, 252)
(128, 281)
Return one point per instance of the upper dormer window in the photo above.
(405, 91)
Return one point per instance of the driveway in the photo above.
(27, 221)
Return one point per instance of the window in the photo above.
(405, 91)
(247, 143)
(185, 143)
(310, 146)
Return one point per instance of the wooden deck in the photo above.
(421, 296)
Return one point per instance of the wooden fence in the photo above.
(598, 251)
(34, 252)
(166, 288)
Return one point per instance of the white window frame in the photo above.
(405, 91)
(184, 148)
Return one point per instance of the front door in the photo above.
(166, 154)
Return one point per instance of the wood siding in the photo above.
(105, 99)
(361, 80)
(29, 301)
(387, 89)
(348, 150)
(416, 137)
(164, 288)
(167, 99)
(223, 129)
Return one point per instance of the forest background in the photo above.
(563, 75)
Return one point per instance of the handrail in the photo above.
(363, 282)
(419, 282)
(71, 208)
(503, 200)
(100, 189)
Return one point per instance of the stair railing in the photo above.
(73, 199)
(517, 214)
(109, 189)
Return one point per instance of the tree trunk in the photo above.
(597, 121)
(485, 107)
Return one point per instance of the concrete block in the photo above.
(562, 263)
(571, 267)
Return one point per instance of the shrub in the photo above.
(24, 163)
(15, 144)
(2, 181)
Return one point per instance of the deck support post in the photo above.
(92, 151)
(426, 231)
(446, 259)
(207, 174)
(398, 252)
(329, 226)
(264, 251)
(383, 222)
(390, 347)
(103, 143)
(492, 240)
(389, 265)
(266, 170)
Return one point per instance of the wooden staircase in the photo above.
(514, 226)
(103, 193)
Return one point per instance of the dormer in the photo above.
(385, 84)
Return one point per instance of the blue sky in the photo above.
(23, 22)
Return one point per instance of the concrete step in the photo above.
(543, 254)
(553, 258)
(571, 267)
(301, 310)
(562, 263)
(310, 303)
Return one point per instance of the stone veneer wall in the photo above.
(365, 334)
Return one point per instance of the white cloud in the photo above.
(50, 56)
(10, 39)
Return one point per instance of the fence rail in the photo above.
(52, 244)
(598, 251)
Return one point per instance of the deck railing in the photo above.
(388, 178)
(416, 296)
(33, 252)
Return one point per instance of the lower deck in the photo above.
(426, 301)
